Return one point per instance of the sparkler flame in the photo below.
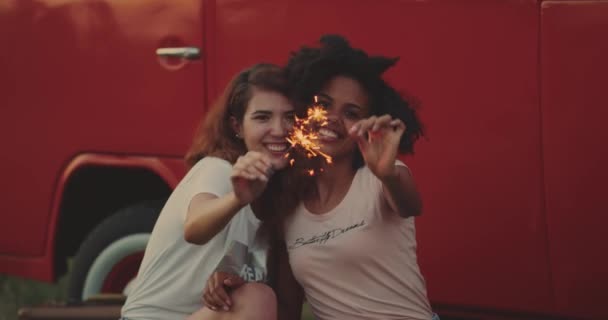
(305, 138)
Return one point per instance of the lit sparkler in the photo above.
(305, 137)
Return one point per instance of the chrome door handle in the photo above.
(187, 53)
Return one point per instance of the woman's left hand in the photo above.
(378, 139)
(215, 295)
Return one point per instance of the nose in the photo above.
(333, 117)
(279, 127)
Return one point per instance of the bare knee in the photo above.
(255, 291)
(208, 314)
(251, 301)
(255, 301)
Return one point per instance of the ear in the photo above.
(236, 127)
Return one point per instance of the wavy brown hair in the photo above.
(215, 135)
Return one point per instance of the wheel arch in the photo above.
(94, 186)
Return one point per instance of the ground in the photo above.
(17, 292)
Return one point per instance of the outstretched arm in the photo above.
(378, 139)
(208, 214)
(401, 193)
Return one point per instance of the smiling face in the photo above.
(346, 103)
(266, 123)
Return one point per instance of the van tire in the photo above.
(122, 237)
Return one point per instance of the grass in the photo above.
(18, 292)
(306, 313)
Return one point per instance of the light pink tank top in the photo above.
(358, 261)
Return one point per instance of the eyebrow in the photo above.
(348, 104)
(263, 112)
(325, 96)
(268, 112)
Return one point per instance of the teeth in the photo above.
(328, 133)
(277, 147)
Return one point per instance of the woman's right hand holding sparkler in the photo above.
(250, 174)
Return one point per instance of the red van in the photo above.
(99, 100)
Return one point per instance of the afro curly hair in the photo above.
(309, 69)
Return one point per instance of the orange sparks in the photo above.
(311, 172)
(304, 135)
(317, 114)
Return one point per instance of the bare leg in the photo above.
(251, 301)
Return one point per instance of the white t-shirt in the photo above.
(358, 261)
(173, 272)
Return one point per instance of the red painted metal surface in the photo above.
(122, 273)
(575, 110)
(511, 93)
(169, 170)
(81, 76)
